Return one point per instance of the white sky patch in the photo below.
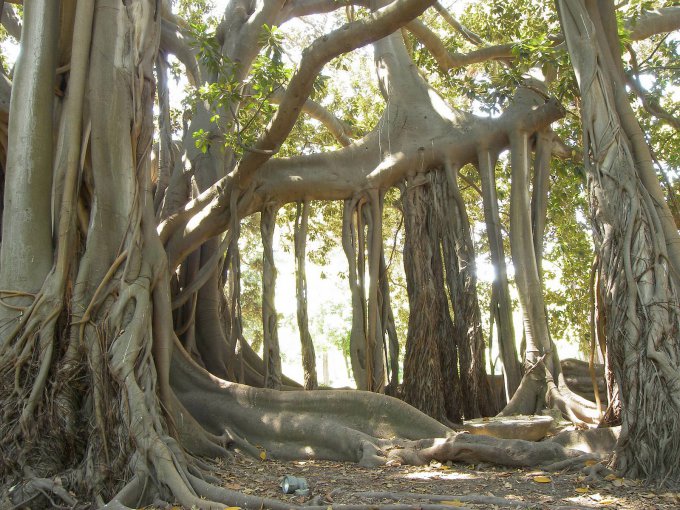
(10, 49)
(647, 81)
(581, 218)
(486, 271)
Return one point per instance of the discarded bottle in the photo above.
(293, 485)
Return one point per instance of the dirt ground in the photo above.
(462, 486)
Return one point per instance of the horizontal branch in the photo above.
(654, 22)
(450, 60)
(298, 8)
(338, 128)
(358, 167)
(341, 174)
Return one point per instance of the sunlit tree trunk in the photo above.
(637, 244)
(308, 355)
(431, 379)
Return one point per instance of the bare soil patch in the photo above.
(462, 486)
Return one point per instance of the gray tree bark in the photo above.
(637, 246)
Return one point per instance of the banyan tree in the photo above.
(123, 359)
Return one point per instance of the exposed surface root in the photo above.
(22, 495)
(476, 449)
(601, 440)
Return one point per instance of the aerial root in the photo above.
(476, 448)
(596, 472)
(22, 494)
(573, 462)
(237, 499)
(131, 493)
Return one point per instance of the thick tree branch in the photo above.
(338, 128)
(174, 42)
(298, 8)
(339, 175)
(11, 21)
(469, 36)
(347, 38)
(450, 60)
(654, 22)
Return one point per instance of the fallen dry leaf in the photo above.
(607, 502)
(542, 479)
(453, 502)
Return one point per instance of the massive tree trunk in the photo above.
(637, 244)
(431, 381)
(28, 178)
(459, 261)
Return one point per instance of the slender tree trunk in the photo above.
(308, 355)
(271, 355)
(352, 245)
(529, 286)
(504, 321)
(539, 192)
(376, 328)
(390, 330)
